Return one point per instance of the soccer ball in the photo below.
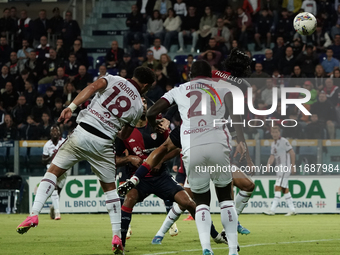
(305, 23)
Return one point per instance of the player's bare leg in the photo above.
(229, 216)
(153, 160)
(114, 209)
(54, 210)
(246, 186)
(44, 191)
(189, 218)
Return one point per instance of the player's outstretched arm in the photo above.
(125, 132)
(292, 160)
(134, 160)
(270, 161)
(160, 106)
(82, 97)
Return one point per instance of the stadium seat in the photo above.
(43, 87)
(264, 153)
(259, 58)
(337, 133)
(180, 59)
(35, 165)
(100, 60)
(330, 156)
(90, 61)
(93, 72)
(308, 150)
(113, 71)
(322, 57)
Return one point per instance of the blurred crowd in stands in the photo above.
(39, 80)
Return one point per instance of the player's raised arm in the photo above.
(160, 106)
(84, 95)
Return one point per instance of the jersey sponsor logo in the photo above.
(154, 136)
(107, 115)
(202, 123)
(195, 130)
(102, 118)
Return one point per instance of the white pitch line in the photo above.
(245, 246)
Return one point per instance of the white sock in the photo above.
(241, 200)
(135, 180)
(276, 200)
(44, 191)
(203, 223)
(55, 201)
(229, 220)
(113, 208)
(172, 216)
(289, 201)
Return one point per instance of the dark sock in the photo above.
(213, 232)
(168, 205)
(142, 170)
(126, 219)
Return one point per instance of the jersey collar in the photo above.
(135, 84)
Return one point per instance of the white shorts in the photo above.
(201, 167)
(282, 180)
(186, 183)
(82, 145)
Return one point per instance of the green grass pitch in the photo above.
(91, 234)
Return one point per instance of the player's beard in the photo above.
(143, 117)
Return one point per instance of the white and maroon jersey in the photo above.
(50, 148)
(280, 149)
(200, 102)
(119, 104)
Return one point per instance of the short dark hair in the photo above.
(58, 100)
(49, 89)
(144, 75)
(159, 67)
(200, 68)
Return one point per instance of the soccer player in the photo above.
(284, 156)
(237, 65)
(49, 151)
(206, 147)
(139, 145)
(114, 111)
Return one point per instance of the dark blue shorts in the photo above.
(175, 137)
(180, 177)
(163, 186)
